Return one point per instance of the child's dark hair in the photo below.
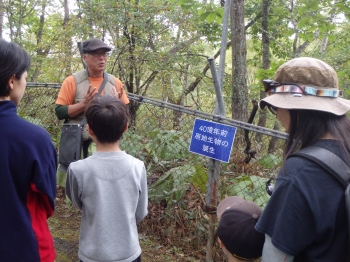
(107, 117)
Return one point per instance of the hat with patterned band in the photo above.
(305, 83)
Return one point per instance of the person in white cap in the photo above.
(236, 234)
(305, 218)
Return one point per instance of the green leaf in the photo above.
(250, 188)
(172, 185)
(200, 177)
(211, 18)
(270, 161)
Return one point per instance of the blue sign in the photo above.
(212, 139)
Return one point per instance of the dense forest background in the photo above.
(161, 47)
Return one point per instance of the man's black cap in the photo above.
(94, 44)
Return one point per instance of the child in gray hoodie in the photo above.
(110, 187)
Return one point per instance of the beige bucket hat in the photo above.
(305, 83)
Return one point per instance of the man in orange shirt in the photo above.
(79, 89)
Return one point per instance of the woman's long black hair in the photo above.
(308, 126)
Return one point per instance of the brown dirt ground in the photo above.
(64, 226)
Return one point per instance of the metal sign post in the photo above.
(214, 165)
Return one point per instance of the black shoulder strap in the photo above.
(329, 161)
(335, 166)
(102, 86)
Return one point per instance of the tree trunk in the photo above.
(1, 17)
(131, 86)
(68, 51)
(10, 20)
(41, 51)
(180, 100)
(21, 16)
(239, 66)
(265, 58)
(324, 42)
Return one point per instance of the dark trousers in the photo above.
(136, 260)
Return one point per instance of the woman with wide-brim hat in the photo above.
(305, 218)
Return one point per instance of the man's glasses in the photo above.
(289, 87)
(97, 54)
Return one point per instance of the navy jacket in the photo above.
(28, 163)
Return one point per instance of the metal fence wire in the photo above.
(178, 184)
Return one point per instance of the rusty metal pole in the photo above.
(212, 193)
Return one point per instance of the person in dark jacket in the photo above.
(305, 218)
(28, 163)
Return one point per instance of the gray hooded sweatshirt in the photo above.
(111, 190)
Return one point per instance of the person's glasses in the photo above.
(272, 109)
(97, 54)
(272, 86)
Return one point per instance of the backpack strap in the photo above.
(111, 80)
(335, 166)
(329, 161)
